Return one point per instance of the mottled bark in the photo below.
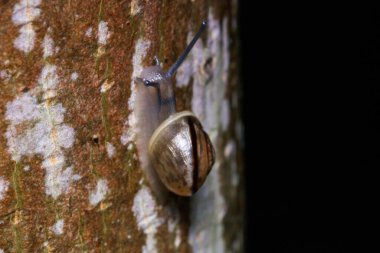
(71, 177)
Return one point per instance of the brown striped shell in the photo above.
(181, 153)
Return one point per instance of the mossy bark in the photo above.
(69, 180)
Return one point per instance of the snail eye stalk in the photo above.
(181, 59)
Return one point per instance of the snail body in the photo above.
(179, 149)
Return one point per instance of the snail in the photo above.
(179, 149)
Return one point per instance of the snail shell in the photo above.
(182, 153)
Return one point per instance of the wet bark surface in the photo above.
(71, 176)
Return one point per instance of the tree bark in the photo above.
(71, 176)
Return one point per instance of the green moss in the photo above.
(17, 186)
(104, 105)
(81, 228)
(17, 241)
(104, 230)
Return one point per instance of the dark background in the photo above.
(311, 92)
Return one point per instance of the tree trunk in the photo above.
(71, 174)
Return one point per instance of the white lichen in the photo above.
(47, 46)
(4, 184)
(99, 193)
(177, 240)
(65, 136)
(57, 181)
(57, 228)
(88, 32)
(141, 48)
(43, 120)
(74, 76)
(76, 177)
(145, 211)
(48, 78)
(103, 33)
(110, 150)
(5, 75)
(25, 41)
(173, 227)
(37, 128)
(23, 108)
(26, 168)
(1, 251)
(128, 134)
(24, 13)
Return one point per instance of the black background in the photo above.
(311, 92)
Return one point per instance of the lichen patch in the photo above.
(43, 120)
(103, 33)
(145, 211)
(23, 108)
(57, 228)
(88, 32)
(24, 13)
(48, 79)
(3, 187)
(5, 75)
(25, 41)
(57, 180)
(111, 150)
(37, 128)
(47, 46)
(99, 193)
(177, 240)
(74, 76)
(173, 227)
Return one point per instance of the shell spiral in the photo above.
(182, 153)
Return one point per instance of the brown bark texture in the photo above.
(71, 173)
